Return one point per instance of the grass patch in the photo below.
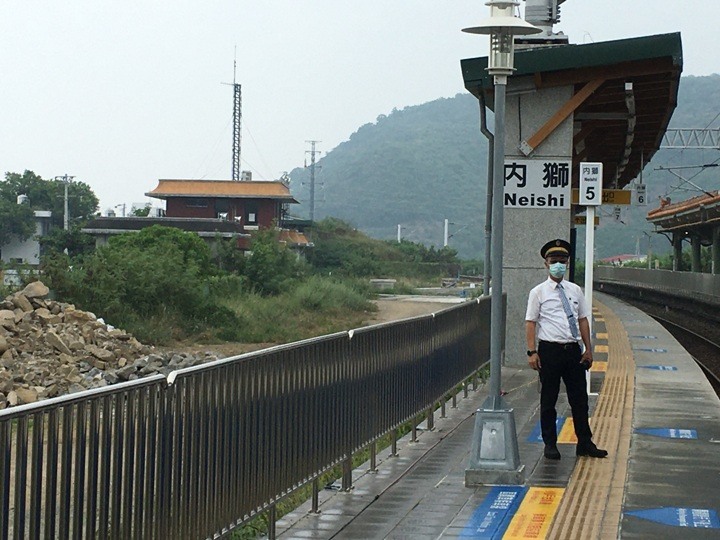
(403, 287)
(315, 307)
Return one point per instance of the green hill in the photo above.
(423, 164)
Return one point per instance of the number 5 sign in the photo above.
(590, 184)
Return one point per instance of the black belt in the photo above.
(558, 345)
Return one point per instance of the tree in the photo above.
(50, 195)
(271, 266)
(16, 221)
(136, 279)
(74, 241)
(142, 212)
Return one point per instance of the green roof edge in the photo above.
(565, 57)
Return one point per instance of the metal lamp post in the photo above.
(495, 456)
(649, 255)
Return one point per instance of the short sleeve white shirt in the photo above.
(545, 308)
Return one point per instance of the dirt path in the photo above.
(389, 309)
(392, 309)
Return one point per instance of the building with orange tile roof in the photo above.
(213, 209)
(252, 203)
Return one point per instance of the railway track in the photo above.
(704, 351)
(697, 332)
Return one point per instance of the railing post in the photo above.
(443, 401)
(165, 461)
(455, 393)
(315, 497)
(414, 429)
(465, 389)
(431, 417)
(393, 444)
(373, 457)
(347, 474)
(272, 514)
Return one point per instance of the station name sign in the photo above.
(537, 183)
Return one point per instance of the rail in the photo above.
(198, 454)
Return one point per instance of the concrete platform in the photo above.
(654, 411)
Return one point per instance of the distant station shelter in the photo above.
(696, 220)
(607, 102)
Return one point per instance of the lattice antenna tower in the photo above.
(237, 125)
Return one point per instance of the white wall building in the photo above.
(27, 251)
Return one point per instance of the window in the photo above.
(44, 228)
(251, 213)
(196, 203)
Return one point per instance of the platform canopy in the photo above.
(625, 94)
(698, 216)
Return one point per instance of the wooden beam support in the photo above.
(527, 147)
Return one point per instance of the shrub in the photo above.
(271, 266)
(161, 275)
(193, 249)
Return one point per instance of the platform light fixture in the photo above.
(495, 457)
(502, 26)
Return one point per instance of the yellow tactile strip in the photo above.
(533, 518)
(592, 504)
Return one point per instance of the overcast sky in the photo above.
(121, 93)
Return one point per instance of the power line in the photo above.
(671, 170)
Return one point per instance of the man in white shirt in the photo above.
(557, 321)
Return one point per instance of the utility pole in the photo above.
(446, 236)
(312, 153)
(122, 205)
(65, 180)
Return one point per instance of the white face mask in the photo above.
(558, 269)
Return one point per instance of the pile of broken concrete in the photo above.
(48, 349)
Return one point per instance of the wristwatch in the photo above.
(530, 353)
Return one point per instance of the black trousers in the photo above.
(561, 361)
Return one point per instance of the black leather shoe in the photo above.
(551, 451)
(589, 449)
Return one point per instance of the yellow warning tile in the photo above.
(567, 433)
(536, 512)
(599, 367)
(599, 319)
(601, 349)
(601, 335)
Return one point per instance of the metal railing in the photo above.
(199, 453)
(685, 284)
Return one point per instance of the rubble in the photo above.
(48, 349)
